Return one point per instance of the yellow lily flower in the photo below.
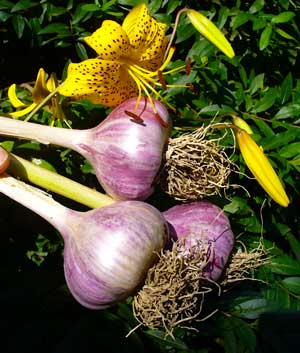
(261, 168)
(210, 32)
(42, 88)
(130, 60)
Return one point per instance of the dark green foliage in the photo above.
(261, 84)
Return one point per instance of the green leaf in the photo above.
(266, 102)
(55, 27)
(284, 3)
(33, 145)
(4, 16)
(285, 265)
(265, 38)
(238, 335)
(8, 145)
(283, 17)
(56, 11)
(22, 5)
(264, 128)
(243, 75)
(259, 23)
(247, 338)
(216, 109)
(161, 336)
(172, 6)
(256, 84)
(240, 19)
(292, 284)
(81, 51)
(291, 150)
(278, 296)
(286, 88)
(18, 23)
(230, 342)
(294, 244)
(284, 34)
(42, 163)
(288, 111)
(236, 205)
(257, 6)
(6, 5)
(280, 139)
(251, 309)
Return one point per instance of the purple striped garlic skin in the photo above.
(203, 222)
(108, 257)
(127, 155)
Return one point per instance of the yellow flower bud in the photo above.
(261, 168)
(210, 32)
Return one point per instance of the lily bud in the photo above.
(261, 168)
(210, 32)
(239, 122)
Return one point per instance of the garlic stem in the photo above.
(41, 133)
(57, 183)
(36, 200)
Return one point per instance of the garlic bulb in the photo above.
(126, 154)
(202, 221)
(107, 250)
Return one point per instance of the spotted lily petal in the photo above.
(146, 36)
(128, 62)
(261, 168)
(23, 112)
(110, 41)
(210, 32)
(152, 56)
(101, 81)
(12, 96)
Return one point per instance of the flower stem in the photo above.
(41, 133)
(43, 102)
(179, 13)
(36, 200)
(57, 183)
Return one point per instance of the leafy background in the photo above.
(261, 84)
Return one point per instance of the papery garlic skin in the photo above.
(107, 251)
(125, 149)
(126, 154)
(112, 251)
(203, 222)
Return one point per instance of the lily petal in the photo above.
(12, 96)
(110, 41)
(40, 90)
(23, 112)
(146, 36)
(152, 56)
(261, 168)
(210, 32)
(51, 83)
(101, 81)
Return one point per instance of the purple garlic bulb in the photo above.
(125, 152)
(203, 222)
(109, 257)
(127, 155)
(108, 250)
